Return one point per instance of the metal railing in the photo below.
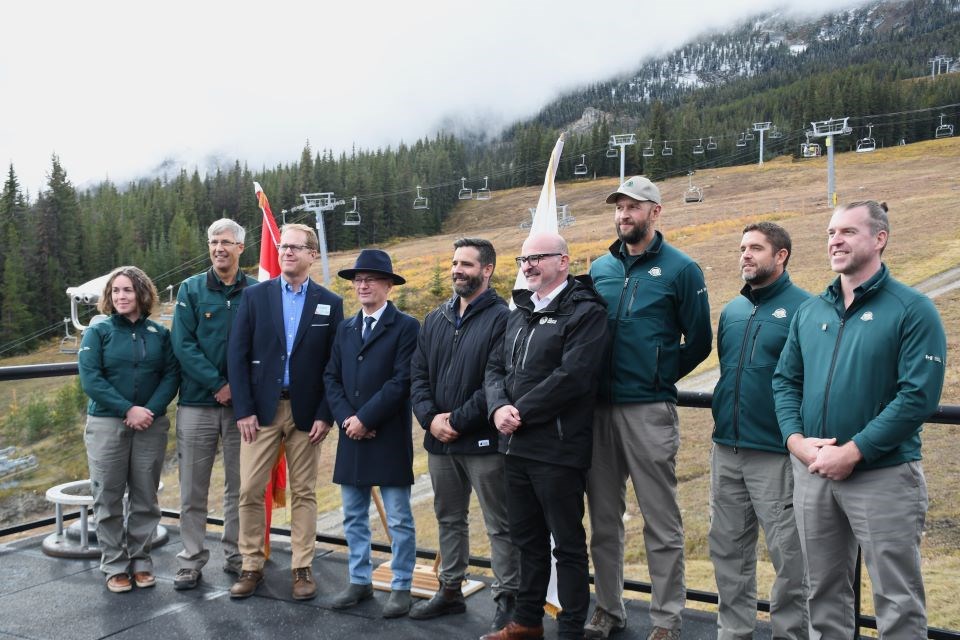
(946, 414)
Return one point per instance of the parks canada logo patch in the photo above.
(780, 313)
(867, 316)
(655, 272)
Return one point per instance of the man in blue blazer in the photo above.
(280, 343)
(368, 387)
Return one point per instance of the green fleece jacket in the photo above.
(201, 327)
(753, 328)
(653, 299)
(124, 364)
(871, 373)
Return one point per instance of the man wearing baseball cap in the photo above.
(655, 296)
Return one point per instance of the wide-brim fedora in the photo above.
(372, 261)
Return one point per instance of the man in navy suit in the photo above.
(281, 341)
(368, 387)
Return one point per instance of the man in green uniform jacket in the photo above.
(751, 481)
(206, 306)
(861, 370)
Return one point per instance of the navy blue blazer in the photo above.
(372, 381)
(258, 348)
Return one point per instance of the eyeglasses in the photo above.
(226, 244)
(296, 248)
(534, 258)
(359, 282)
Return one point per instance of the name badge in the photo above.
(322, 310)
(483, 443)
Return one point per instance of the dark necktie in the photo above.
(367, 328)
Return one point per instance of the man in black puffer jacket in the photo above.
(446, 387)
(540, 388)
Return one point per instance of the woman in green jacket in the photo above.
(129, 372)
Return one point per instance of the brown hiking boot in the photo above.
(304, 587)
(246, 585)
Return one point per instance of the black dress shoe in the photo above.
(445, 600)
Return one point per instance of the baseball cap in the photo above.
(638, 188)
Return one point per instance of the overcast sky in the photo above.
(116, 88)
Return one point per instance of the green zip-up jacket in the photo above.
(125, 364)
(872, 373)
(652, 300)
(201, 327)
(751, 334)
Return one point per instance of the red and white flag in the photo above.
(270, 268)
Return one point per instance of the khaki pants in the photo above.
(640, 442)
(122, 461)
(883, 512)
(750, 489)
(256, 461)
(200, 430)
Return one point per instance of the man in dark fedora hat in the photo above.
(368, 387)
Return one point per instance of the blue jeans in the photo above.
(356, 529)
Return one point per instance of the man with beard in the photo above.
(751, 479)
(448, 399)
(655, 296)
(861, 371)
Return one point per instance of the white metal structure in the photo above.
(612, 152)
(648, 151)
(420, 202)
(693, 193)
(318, 204)
(698, 148)
(711, 145)
(666, 151)
(775, 133)
(622, 140)
(809, 149)
(70, 344)
(581, 169)
(742, 140)
(867, 144)
(761, 127)
(828, 129)
(944, 130)
(748, 135)
(483, 193)
(465, 193)
(87, 293)
(166, 309)
(352, 218)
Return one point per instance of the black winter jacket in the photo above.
(446, 372)
(547, 367)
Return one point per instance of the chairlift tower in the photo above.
(622, 140)
(828, 129)
(760, 127)
(939, 64)
(320, 203)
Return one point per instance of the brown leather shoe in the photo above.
(304, 587)
(144, 579)
(246, 585)
(119, 583)
(514, 631)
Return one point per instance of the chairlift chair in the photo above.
(742, 140)
(944, 130)
(166, 309)
(698, 148)
(69, 344)
(810, 149)
(581, 169)
(902, 143)
(564, 219)
(420, 202)
(352, 218)
(465, 193)
(667, 151)
(693, 193)
(775, 133)
(612, 152)
(867, 144)
(648, 151)
(483, 193)
(711, 145)
(749, 135)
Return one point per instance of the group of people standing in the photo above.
(817, 417)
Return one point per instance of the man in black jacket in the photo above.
(448, 400)
(540, 386)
